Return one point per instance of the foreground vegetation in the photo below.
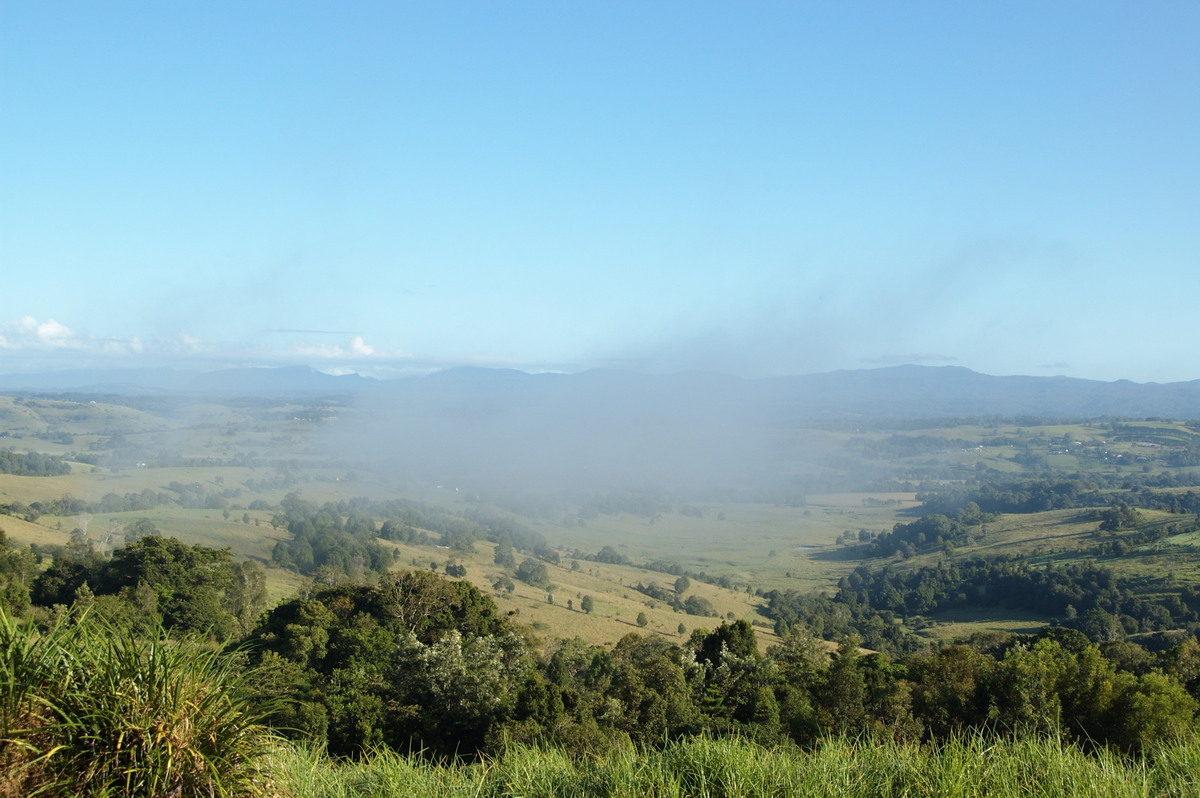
(88, 711)
(734, 768)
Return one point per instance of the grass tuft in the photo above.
(88, 710)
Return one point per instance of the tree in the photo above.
(504, 554)
(1157, 709)
(642, 620)
(841, 697)
(947, 691)
(587, 604)
(1119, 516)
(682, 584)
(18, 568)
(1027, 687)
(533, 572)
(735, 638)
(139, 529)
(415, 662)
(611, 556)
(698, 605)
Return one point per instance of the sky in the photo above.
(757, 189)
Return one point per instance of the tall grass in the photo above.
(730, 768)
(88, 710)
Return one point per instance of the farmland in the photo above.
(214, 472)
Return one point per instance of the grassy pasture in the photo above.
(768, 546)
(617, 603)
(1038, 533)
(962, 623)
(23, 532)
(39, 416)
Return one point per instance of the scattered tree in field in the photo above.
(533, 572)
(140, 529)
(1119, 516)
(504, 554)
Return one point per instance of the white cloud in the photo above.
(46, 343)
(29, 333)
(30, 345)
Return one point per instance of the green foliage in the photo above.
(964, 767)
(331, 537)
(1095, 599)
(698, 605)
(611, 556)
(533, 572)
(1119, 516)
(504, 556)
(931, 532)
(89, 710)
(160, 580)
(32, 464)
(18, 568)
(414, 661)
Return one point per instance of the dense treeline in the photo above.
(1088, 597)
(325, 539)
(898, 446)
(32, 464)
(18, 569)
(1145, 491)
(420, 663)
(935, 531)
(340, 537)
(191, 496)
(151, 582)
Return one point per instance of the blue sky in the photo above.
(759, 189)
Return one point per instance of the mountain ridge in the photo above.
(906, 391)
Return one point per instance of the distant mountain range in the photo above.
(894, 392)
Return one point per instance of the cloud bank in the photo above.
(30, 345)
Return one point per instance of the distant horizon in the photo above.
(201, 370)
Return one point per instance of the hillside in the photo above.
(215, 471)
